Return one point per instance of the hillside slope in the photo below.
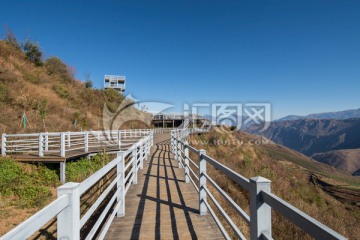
(310, 136)
(347, 160)
(294, 177)
(51, 98)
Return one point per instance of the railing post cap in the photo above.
(120, 153)
(259, 179)
(202, 151)
(69, 185)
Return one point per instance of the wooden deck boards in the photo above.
(162, 205)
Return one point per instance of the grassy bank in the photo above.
(26, 188)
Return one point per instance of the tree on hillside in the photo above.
(10, 38)
(33, 52)
(88, 81)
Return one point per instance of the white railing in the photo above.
(114, 85)
(67, 206)
(59, 143)
(262, 201)
(158, 116)
(162, 130)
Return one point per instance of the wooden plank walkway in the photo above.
(162, 205)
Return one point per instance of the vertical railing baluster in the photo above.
(186, 157)
(179, 154)
(142, 156)
(41, 145)
(121, 184)
(68, 220)
(3, 144)
(62, 144)
(46, 141)
(134, 165)
(260, 212)
(86, 141)
(175, 149)
(68, 139)
(202, 183)
(119, 139)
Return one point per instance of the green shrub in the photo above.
(88, 84)
(84, 123)
(30, 189)
(80, 170)
(10, 173)
(55, 66)
(10, 38)
(4, 92)
(113, 96)
(247, 161)
(32, 195)
(61, 91)
(33, 52)
(48, 177)
(31, 78)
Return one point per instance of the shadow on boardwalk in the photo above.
(161, 205)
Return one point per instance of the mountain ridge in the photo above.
(346, 160)
(345, 114)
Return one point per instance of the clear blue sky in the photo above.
(301, 56)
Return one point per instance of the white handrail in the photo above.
(63, 142)
(260, 195)
(67, 206)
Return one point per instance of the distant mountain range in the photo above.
(331, 138)
(353, 113)
(347, 160)
(310, 136)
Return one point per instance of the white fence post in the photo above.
(62, 144)
(175, 148)
(121, 184)
(134, 165)
(142, 156)
(68, 139)
(202, 181)
(146, 148)
(179, 154)
(3, 144)
(186, 158)
(86, 141)
(119, 138)
(41, 145)
(46, 141)
(62, 172)
(68, 220)
(260, 212)
(172, 144)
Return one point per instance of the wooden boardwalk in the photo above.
(162, 205)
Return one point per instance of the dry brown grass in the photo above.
(290, 181)
(27, 85)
